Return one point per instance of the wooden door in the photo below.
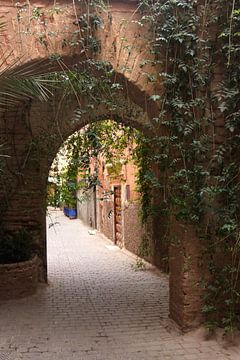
(118, 216)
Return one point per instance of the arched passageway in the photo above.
(34, 130)
(39, 130)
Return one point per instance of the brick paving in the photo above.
(96, 307)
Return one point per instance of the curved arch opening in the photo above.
(85, 96)
(33, 132)
(39, 130)
(111, 206)
(92, 163)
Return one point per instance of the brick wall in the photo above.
(187, 274)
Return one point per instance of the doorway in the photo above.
(118, 216)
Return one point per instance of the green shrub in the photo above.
(16, 246)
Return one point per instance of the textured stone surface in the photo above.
(18, 280)
(133, 231)
(189, 270)
(96, 307)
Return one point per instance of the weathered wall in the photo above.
(105, 218)
(53, 35)
(86, 207)
(132, 229)
(186, 268)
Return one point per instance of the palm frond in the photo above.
(20, 82)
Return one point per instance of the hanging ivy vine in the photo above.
(196, 48)
(194, 163)
(71, 168)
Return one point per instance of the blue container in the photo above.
(65, 210)
(72, 213)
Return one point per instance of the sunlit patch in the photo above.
(112, 247)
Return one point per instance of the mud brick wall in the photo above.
(187, 274)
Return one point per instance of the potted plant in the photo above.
(68, 198)
(18, 264)
(72, 209)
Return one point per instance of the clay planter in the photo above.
(18, 280)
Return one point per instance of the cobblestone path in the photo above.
(96, 307)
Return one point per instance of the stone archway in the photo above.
(34, 131)
(25, 126)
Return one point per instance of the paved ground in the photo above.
(96, 307)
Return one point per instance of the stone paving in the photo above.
(96, 307)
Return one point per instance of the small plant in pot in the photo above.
(68, 194)
(16, 246)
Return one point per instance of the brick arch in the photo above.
(24, 131)
(124, 43)
(34, 131)
(64, 122)
(133, 90)
(24, 128)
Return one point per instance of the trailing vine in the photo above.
(106, 139)
(192, 164)
(83, 37)
(197, 49)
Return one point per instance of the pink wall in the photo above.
(126, 178)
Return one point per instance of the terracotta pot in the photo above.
(19, 279)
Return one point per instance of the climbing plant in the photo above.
(193, 161)
(28, 15)
(107, 139)
(196, 48)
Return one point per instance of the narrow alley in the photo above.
(97, 306)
